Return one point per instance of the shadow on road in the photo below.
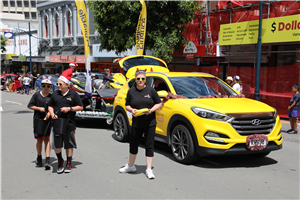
(232, 161)
(23, 112)
(54, 163)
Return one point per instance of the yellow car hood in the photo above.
(229, 105)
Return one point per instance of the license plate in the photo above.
(258, 143)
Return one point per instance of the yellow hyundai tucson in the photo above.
(201, 115)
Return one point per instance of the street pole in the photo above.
(258, 58)
(19, 40)
(29, 33)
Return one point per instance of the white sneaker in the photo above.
(127, 169)
(149, 174)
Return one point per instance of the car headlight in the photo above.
(208, 114)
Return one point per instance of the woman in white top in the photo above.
(236, 84)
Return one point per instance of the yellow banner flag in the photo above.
(84, 24)
(141, 30)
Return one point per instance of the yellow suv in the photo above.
(201, 115)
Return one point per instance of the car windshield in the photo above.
(141, 60)
(195, 87)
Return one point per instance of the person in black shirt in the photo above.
(139, 97)
(63, 104)
(38, 103)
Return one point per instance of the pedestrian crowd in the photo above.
(20, 84)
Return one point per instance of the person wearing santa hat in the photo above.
(63, 104)
(38, 103)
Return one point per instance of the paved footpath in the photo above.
(99, 156)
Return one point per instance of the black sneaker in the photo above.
(289, 130)
(293, 132)
(68, 167)
(60, 167)
(47, 165)
(39, 162)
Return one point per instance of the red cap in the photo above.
(66, 75)
(73, 64)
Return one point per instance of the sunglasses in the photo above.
(48, 86)
(140, 79)
(60, 84)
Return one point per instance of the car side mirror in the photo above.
(162, 93)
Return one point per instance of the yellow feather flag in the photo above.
(141, 30)
(84, 24)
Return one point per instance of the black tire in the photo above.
(121, 128)
(259, 155)
(182, 145)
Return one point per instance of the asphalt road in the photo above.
(99, 156)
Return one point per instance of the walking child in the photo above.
(294, 109)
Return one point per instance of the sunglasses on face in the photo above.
(48, 86)
(141, 79)
(60, 84)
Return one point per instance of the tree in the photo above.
(116, 23)
(3, 44)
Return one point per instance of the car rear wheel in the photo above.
(120, 128)
(182, 145)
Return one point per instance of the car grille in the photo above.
(244, 125)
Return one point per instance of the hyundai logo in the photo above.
(256, 122)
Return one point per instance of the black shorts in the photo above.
(67, 141)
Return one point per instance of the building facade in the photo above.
(24, 7)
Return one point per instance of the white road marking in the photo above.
(13, 102)
(1, 109)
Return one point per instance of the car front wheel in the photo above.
(120, 128)
(182, 145)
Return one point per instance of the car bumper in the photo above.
(237, 149)
(235, 143)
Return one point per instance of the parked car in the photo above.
(201, 115)
(38, 82)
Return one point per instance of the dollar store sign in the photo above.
(273, 29)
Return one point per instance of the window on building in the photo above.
(69, 22)
(26, 3)
(19, 13)
(12, 4)
(19, 3)
(33, 15)
(33, 4)
(5, 11)
(46, 26)
(26, 15)
(5, 3)
(56, 24)
(12, 12)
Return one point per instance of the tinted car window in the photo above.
(194, 87)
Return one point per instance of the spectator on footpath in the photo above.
(229, 80)
(31, 82)
(7, 83)
(22, 90)
(63, 104)
(39, 103)
(3, 82)
(17, 85)
(26, 82)
(139, 97)
(236, 84)
(293, 109)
